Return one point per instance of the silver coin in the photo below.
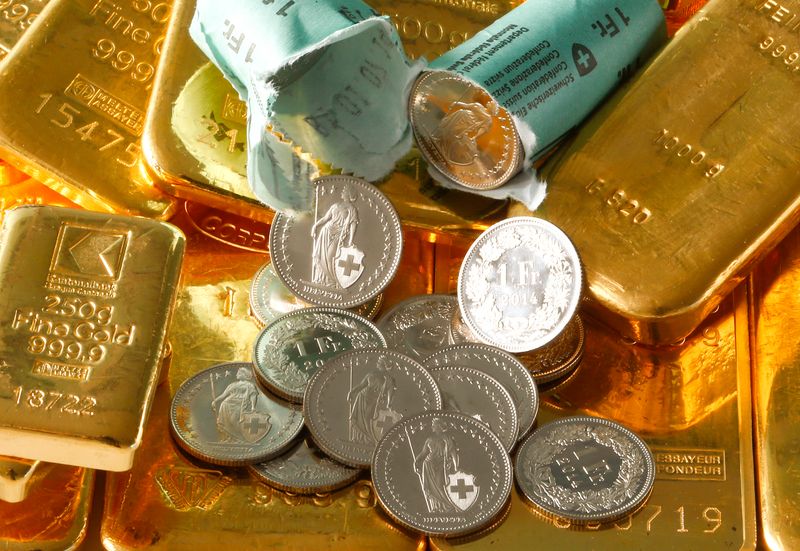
(220, 415)
(304, 469)
(359, 395)
(463, 132)
(345, 252)
(585, 469)
(549, 363)
(480, 396)
(419, 325)
(500, 365)
(442, 474)
(270, 298)
(520, 284)
(288, 351)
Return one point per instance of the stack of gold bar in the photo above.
(679, 192)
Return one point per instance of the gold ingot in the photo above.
(73, 95)
(30, 192)
(16, 477)
(86, 302)
(55, 515)
(16, 16)
(167, 501)
(682, 180)
(195, 146)
(776, 387)
(691, 405)
(229, 228)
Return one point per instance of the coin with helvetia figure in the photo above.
(220, 415)
(442, 474)
(418, 326)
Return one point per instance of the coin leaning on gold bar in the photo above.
(221, 416)
(81, 348)
(290, 349)
(418, 325)
(520, 284)
(346, 251)
(668, 210)
(80, 78)
(463, 132)
(270, 298)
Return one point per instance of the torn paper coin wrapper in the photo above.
(328, 81)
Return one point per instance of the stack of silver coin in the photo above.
(435, 418)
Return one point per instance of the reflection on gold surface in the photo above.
(679, 11)
(699, 432)
(86, 302)
(54, 516)
(27, 191)
(10, 175)
(72, 99)
(17, 476)
(195, 142)
(171, 502)
(676, 186)
(776, 389)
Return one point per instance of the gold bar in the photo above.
(168, 502)
(55, 515)
(691, 404)
(776, 372)
(86, 303)
(194, 144)
(16, 477)
(30, 192)
(16, 16)
(73, 95)
(687, 176)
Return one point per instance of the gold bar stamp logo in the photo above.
(690, 464)
(61, 370)
(102, 101)
(186, 488)
(234, 109)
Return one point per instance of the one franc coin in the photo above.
(344, 252)
(221, 416)
(584, 469)
(480, 396)
(419, 325)
(304, 469)
(520, 284)
(270, 298)
(289, 350)
(351, 403)
(463, 132)
(442, 474)
(500, 365)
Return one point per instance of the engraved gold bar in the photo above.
(82, 332)
(194, 144)
(675, 187)
(691, 404)
(776, 386)
(55, 515)
(73, 95)
(16, 16)
(168, 502)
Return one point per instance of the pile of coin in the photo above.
(435, 418)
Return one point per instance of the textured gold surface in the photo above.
(691, 404)
(86, 302)
(16, 16)
(55, 515)
(73, 95)
(776, 393)
(171, 502)
(684, 178)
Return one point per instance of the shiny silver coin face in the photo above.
(585, 469)
(419, 325)
(270, 298)
(520, 284)
(463, 132)
(304, 469)
(480, 396)
(442, 474)
(501, 366)
(294, 346)
(221, 416)
(344, 252)
(351, 403)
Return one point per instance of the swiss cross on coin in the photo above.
(349, 265)
(462, 490)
